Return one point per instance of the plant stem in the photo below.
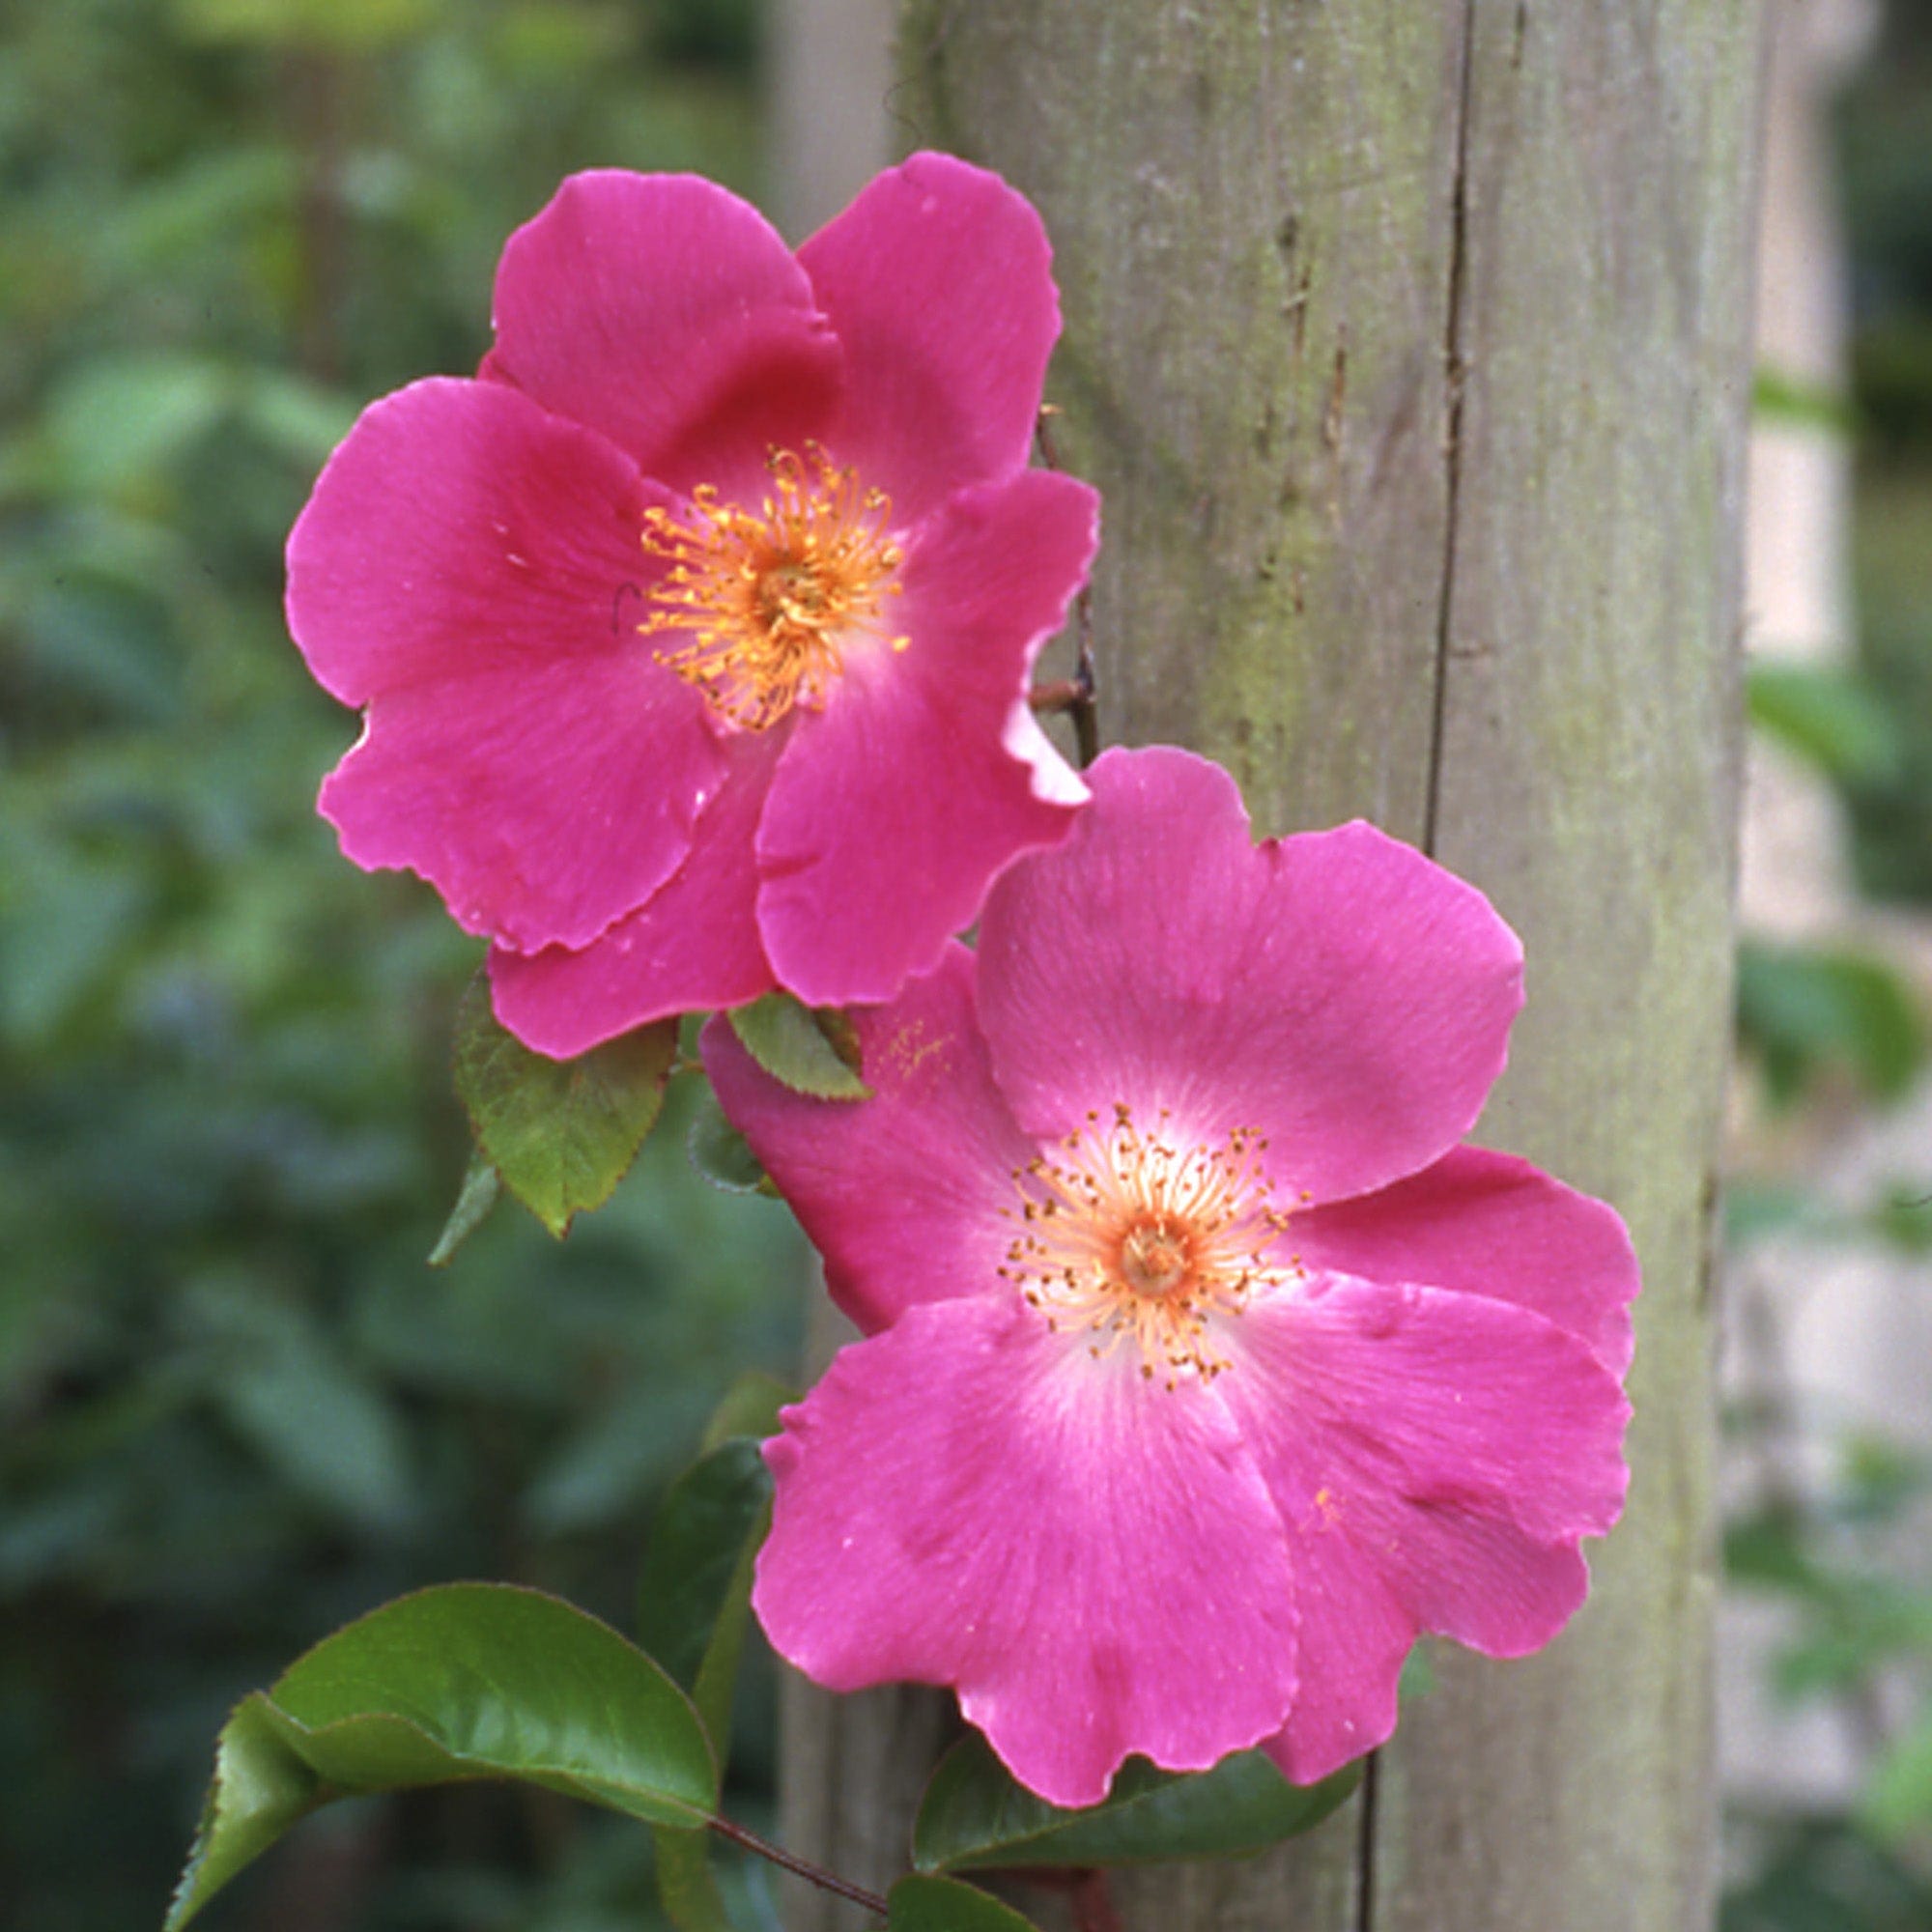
(799, 1867)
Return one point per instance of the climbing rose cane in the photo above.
(695, 632)
(1205, 1368)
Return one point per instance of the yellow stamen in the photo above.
(1125, 1233)
(771, 599)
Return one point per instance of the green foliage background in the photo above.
(235, 1407)
(1829, 1520)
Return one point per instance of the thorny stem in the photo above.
(1073, 696)
(799, 1867)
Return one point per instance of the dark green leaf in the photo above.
(471, 1680)
(975, 1815)
(561, 1133)
(481, 1186)
(695, 1600)
(814, 1053)
(946, 1905)
(720, 1153)
(1766, 1551)
(697, 1570)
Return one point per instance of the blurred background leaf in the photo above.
(236, 1406)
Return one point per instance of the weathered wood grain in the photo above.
(1407, 347)
(1585, 778)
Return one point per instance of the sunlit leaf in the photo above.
(468, 1681)
(560, 1133)
(814, 1053)
(975, 1815)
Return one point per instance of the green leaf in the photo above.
(348, 26)
(1418, 1675)
(467, 1680)
(481, 1186)
(561, 1133)
(1830, 717)
(687, 1886)
(810, 1052)
(330, 1429)
(1802, 1009)
(720, 1153)
(946, 1905)
(697, 1578)
(975, 1815)
(1780, 397)
(119, 418)
(694, 1601)
(749, 1406)
(1898, 1801)
(309, 1409)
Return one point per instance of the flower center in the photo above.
(1125, 1233)
(770, 599)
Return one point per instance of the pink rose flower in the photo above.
(1204, 1367)
(694, 634)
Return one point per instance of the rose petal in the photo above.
(1354, 1634)
(464, 568)
(1335, 990)
(458, 528)
(1461, 1446)
(906, 1194)
(968, 1499)
(938, 279)
(1489, 1224)
(692, 945)
(670, 314)
(894, 807)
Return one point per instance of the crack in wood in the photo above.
(1455, 362)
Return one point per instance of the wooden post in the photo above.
(1407, 347)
